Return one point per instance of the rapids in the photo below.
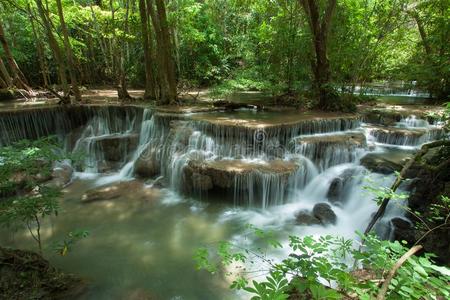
(219, 171)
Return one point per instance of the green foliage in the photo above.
(270, 40)
(66, 245)
(25, 167)
(315, 261)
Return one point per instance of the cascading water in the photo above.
(266, 172)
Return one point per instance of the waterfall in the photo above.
(253, 165)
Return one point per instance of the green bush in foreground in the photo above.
(316, 264)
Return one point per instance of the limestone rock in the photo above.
(222, 173)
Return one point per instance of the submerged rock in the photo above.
(324, 213)
(120, 190)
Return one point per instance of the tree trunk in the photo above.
(40, 49)
(17, 75)
(4, 75)
(150, 91)
(70, 58)
(168, 51)
(55, 50)
(422, 32)
(165, 64)
(320, 65)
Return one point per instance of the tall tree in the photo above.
(319, 25)
(165, 60)
(150, 83)
(56, 50)
(69, 53)
(18, 78)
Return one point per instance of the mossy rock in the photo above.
(7, 94)
(27, 275)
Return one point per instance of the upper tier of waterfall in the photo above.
(254, 158)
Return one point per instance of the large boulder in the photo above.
(382, 163)
(117, 147)
(222, 173)
(331, 149)
(147, 165)
(324, 213)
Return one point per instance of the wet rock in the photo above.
(11, 94)
(222, 173)
(201, 182)
(382, 117)
(324, 213)
(180, 132)
(378, 163)
(147, 165)
(347, 140)
(125, 189)
(337, 188)
(403, 136)
(402, 228)
(61, 175)
(306, 218)
(117, 147)
(430, 180)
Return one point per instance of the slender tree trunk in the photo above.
(119, 49)
(150, 91)
(2, 83)
(70, 58)
(422, 32)
(18, 77)
(320, 27)
(39, 48)
(55, 50)
(4, 75)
